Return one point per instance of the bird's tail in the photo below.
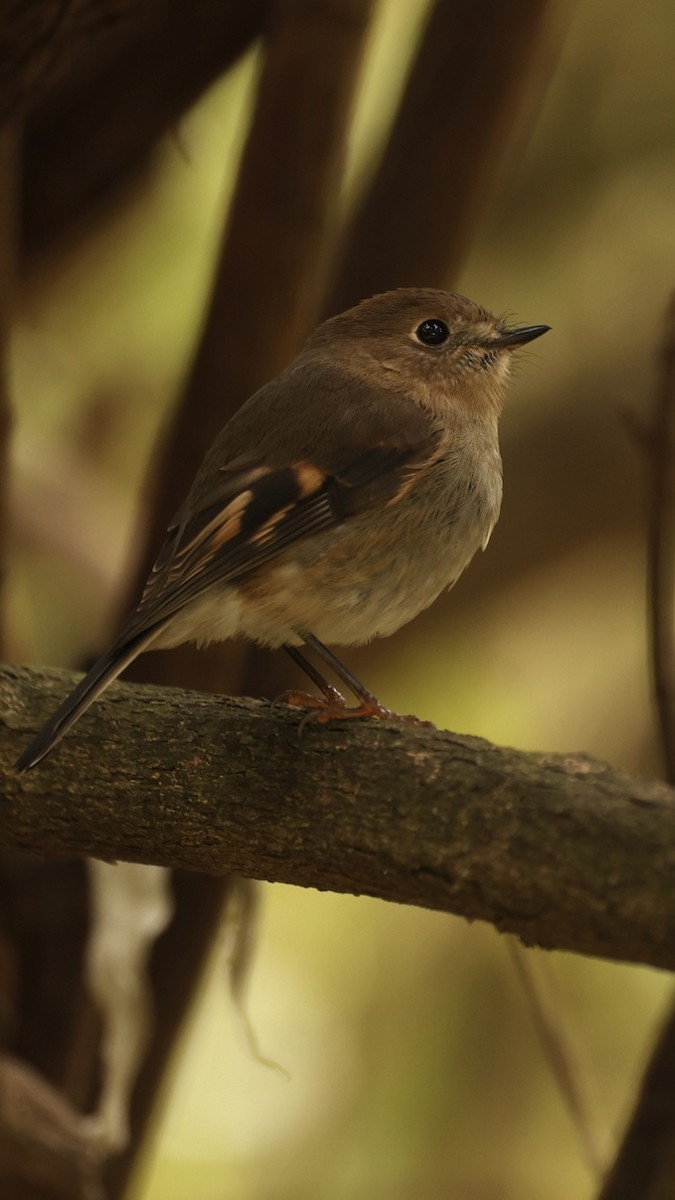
(108, 667)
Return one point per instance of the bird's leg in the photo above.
(305, 699)
(369, 706)
(333, 706)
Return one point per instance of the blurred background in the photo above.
(413, 1067)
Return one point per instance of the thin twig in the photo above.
(547, 1018)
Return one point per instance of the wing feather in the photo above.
(260, 513)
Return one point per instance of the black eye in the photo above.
(432, 332)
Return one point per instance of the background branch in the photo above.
(109, 90)
(644, 1168)
(645, 1164)
(417, 816)
(476, 68)
(265, 295)
(268, 278)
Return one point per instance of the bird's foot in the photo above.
(334, 707)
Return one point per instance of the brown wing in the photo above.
(303, 455)
(262, 513)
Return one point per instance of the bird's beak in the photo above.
(513, 338)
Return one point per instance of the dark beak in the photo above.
(513, 338)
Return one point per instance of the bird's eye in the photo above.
(432, 332)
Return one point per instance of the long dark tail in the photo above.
(108, 667)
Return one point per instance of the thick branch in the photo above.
(564, 851)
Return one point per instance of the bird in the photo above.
(338, 502)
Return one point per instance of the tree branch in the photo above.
(564, 851)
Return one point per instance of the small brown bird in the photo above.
(338, 502)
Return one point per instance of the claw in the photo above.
(335, 708)
(299, 699)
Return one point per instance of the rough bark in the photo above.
(564, 851)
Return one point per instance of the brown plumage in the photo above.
(340, 499)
